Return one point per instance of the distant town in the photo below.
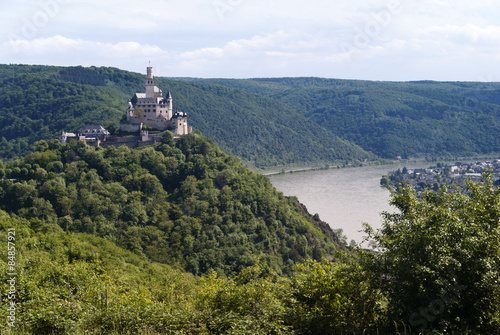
(450, 175)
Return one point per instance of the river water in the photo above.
(344, 198)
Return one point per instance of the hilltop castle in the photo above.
(149, 109)
(153, 110)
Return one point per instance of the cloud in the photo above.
(281, 42)
(465, 34)
(204, 53)
(259, 54)
(344, 38)
(67, 46)
(60, 50)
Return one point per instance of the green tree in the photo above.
(2, 169)
(168, 138)
(331, 298)
(440, 259)
(247, 304)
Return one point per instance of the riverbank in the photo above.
(278, 170)
(316, 167)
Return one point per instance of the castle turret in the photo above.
(130, 108)
(170, 105)
(150, 83)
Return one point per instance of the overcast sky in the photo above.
(352, 39)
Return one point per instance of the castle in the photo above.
(148, 109)
(153, 110)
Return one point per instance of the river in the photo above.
(344, 198)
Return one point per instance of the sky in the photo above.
(395, 40)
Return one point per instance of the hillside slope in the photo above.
(392, 118)
(266, 121)
(41, 101)
(393, 123)
(78, 283)
(186, 204)
(260, 129)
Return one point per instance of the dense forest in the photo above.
(390, 119)
(267, 122)
(181, 238)
(41, 101)
(186, 204)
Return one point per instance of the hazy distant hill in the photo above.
(41, 101)
(392, 118)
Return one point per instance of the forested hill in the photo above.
(99, 241)
(40, 101)
(267, 121)
(183, 203)
(390, 119)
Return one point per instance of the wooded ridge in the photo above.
(268, 121)
(41, 101)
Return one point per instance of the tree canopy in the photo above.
(439, 260)
(185, 203)
(183, 238)
(42, 101)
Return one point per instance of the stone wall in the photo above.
(130, 127)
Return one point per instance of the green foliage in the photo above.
(330, 298)
(437, 273)
(69, 283)
(267, 122)
(110, 240)
(76, 283)
(440, 260)
(393, 123)
(247, 304)
(393, 180)
(259, 129)
(185, 203)
(390, 119)
(42, 101)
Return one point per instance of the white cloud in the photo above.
(265, 51)
(202, 53)
(466, 34)
(344, 38)
(66, 46)
(60, 50)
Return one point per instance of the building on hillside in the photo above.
(67, 136)
(149, 109)
(91, 134)
(93, 131)
(153, 110)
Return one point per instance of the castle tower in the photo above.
(169, 101)
(150, 83)
(152, 109)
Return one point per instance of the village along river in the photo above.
(344, 198)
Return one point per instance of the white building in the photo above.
(92, 134)
(154, 110)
